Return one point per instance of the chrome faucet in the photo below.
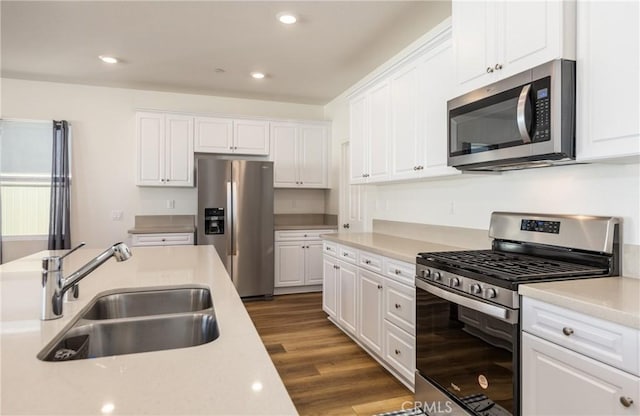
(54, 285)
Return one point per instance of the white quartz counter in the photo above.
(615, 299)
(403, 249)
(231, 375)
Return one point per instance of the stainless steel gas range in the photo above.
(467, 306)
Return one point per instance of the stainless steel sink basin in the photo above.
(152, 302)
(137, 321)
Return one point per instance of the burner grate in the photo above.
(512, 266)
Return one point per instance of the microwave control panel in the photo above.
(542, 115)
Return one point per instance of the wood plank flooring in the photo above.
(324, 371)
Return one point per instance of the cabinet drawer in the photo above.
(370, 261)
(602, 340)
(399, 350)
(400, 305)
(172, 239)
(301, 235)
(400, 271)
(348, 254)
(330, 248)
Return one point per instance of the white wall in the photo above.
(104, 147)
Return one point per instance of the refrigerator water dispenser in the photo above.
(214, 220)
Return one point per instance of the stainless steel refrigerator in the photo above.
(235, 215)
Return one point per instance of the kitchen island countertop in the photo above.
(231, 375)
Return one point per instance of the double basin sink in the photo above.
(136, 321)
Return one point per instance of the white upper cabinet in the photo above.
(165, 149)
(300, 155)
(496, 39)
(370, 116)
(231, 136)
(608, 80)
(399, 123)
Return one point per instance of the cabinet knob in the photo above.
(415, 168)
(498, 67)
(397, 352)
(327, 248)
(626, 401)
(420, 167)
(167, 180)
(489, 70)
(398, 306)
(345, 254)
(345, 226)
(367, 262)
(567, 331)
(379, 286)
(398, 271)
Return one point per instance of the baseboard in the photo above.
(296, 289)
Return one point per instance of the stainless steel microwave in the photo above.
(526, 120)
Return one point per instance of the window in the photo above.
(25, 177)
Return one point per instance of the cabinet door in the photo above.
(608, 108)
(557, 381)
(530, 34)
(213, 135)
(370, 310)
(473, 25)
(379, 132)
(151, 149)
(330, 286)
(289, 264)
(437, 87)
(251, 137)
(312, 166)
(179, 150)
(358, 132)
(404, 122)
(347, 297)
(313, 263)
(285, 151)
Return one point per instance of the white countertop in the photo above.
(615, 299)
(231, 375)
(398, 248)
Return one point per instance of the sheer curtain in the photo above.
(59, 214)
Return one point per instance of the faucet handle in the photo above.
(82, 244)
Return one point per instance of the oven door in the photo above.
(468, 349)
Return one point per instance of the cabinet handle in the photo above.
(379, 286)
(398, 306)
(163, 240)
(167, 180)
(345, 254)
(567, 331)
(415, 168)
(626, 401)
(398, 271)
(498, 67)
(327, 248)
(305, 235)
(367, 262)
(420, 167)
(397, 352)
(489, 70)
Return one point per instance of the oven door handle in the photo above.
(503, 314)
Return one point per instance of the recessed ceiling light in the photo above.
(257, 75)
(108, 59)
(287, 18)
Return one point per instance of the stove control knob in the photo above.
(455, 282)
(426, 273)
(437, 276)
(490, 293)
(475, 289)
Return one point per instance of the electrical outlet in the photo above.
(116, 215)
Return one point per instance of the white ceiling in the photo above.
(177, 45)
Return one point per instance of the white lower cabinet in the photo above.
(298, 261)
(370, 307)
(575, 364)
(348, 297)
(558, 381)
(167, 239)
(366, 298)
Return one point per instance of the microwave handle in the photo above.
(521, 113)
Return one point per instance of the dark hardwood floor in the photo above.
(324, 371)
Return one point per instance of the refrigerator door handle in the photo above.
(236, 225)
(229, 219)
